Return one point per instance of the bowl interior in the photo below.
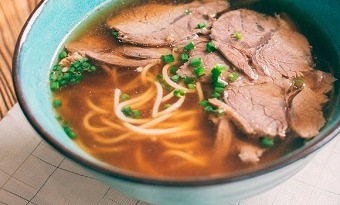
(47, 30)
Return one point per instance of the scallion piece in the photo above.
(56, 103)
(201, 25)
(196, 62)
(159, 78)
(221, 83)
(57, 68)
(69, 131)
(218, 89)
(238, 35)
(189, 46)
(62, 54)
(136, 114)
(184, 57)
(233, 76)
(168, 58)
(124, 97)
(215, 95)
(210, 47)
(191, 86)
(173, 70)
(179, 93)
(199, 71)
(127, 111)
(209, 108)
(53, 76)
(166, 106)
(299, 83)
(204, 103)
(187, 11)
(114, 33)
(189, 80)
(267, 141)
(54, 85)
(175, 78)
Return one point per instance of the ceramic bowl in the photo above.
(44, 36)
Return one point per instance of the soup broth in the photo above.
(134, 119)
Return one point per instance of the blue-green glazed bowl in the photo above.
(46, 32)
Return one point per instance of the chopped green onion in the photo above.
(166, 106)
(53, 76)
(159, 78)
(115, 33)
(136, 114)
(215, 95)
(201, 25)
(218, 89)
(189, 46)
(54, 86)
(238, 35)
(167, 87)
(199, 71)
(56, 103)
(187, 11)
(189, 80)
(233, 76)
(127, 111)
(184, 57)
(179, 93)
(59, 118)
(69, 131)
(62, 54)
(168, 58)
(209, 108)
(299, 83)
(175, 78)
(267, 141)
(210, 47)
(221, 83)
(173, 70)
(219, 111)
(125, 97)
(57, 68)
(204, 103)
(191, 86)
(216, 72)
(196, 62)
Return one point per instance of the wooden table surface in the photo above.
(13, 15)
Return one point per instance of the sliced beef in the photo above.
(99, 50)
(319, 81)
(248, 152)
(305, 110)
(258, 110)
(228, 140)
(143, 52)
(152, 25)
(265, 48)
(209, 60)
(305, 113)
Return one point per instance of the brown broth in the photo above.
(145, 156)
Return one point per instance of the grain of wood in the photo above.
(13, 15)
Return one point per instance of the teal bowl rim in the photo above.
(242, 175)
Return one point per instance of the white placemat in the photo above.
(32, 173)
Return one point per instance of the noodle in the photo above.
(158, 99)
(154, 131)
(174, 106)
(185, 156)
(87, 124)
(96, 108)
(199, 91)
